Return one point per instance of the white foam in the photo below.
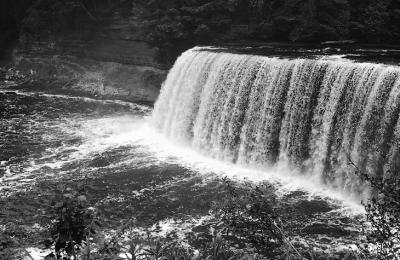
(101, 135)
(168, 152)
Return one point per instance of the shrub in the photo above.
(74, 222)
(251, 215)
(76, 234)
(382, 227)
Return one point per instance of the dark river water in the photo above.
(131, 171)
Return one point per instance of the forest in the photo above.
(175, 25)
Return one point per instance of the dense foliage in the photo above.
(27, 21)
(49, 18)
(11, 14)
(382, 226)
(251, 217)
(175, 25)
(74, 222)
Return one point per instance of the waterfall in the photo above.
(311, 114)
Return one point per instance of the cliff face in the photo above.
(105, 79)
(109, 59)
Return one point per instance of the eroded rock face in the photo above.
(98, 78)
(110, 59)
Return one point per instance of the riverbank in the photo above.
(87, 77)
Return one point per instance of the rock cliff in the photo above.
(108, 59)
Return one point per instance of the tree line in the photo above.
(174, 25)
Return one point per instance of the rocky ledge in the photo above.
(85, 76)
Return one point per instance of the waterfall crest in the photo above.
(312, 114)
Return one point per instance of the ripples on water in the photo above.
(47, 135)
(130, 170)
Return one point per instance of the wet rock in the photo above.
(296, 194)
(325, 240)
(326, 229)
(86, 77)
(312, 207)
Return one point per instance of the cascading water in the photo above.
(312, 114)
